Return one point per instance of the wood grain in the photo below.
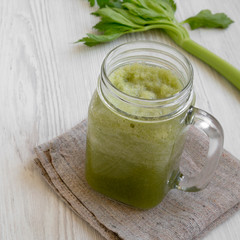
(45, 88)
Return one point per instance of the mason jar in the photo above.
(134, 145)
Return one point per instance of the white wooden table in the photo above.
(46, 83)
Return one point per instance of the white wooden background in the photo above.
(46, 83)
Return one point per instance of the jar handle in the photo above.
(212, 128)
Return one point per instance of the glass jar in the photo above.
(134, 145)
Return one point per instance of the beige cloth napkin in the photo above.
(179, 216)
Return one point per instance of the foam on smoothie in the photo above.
(145, 81)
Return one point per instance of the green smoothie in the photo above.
(132, 161)
(145, 81)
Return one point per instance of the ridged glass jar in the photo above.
(134, 145)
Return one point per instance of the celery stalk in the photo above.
(120, 17)
(220, 65)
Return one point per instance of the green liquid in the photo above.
(145, 81)
(130, 161)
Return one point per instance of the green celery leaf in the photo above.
(112, 15)
(92, 2)
(172, 4)
(155, 5)
(111, 28)
(205, 19)
(104, 3)
(133, 16)
(115, 3)
(93, 39)
(140, 11)
(135, 19)
(163, 8)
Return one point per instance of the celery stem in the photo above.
(226, 69)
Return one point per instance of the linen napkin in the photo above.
(180, 216)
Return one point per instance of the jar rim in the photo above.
(140, 109)
(145, 100)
